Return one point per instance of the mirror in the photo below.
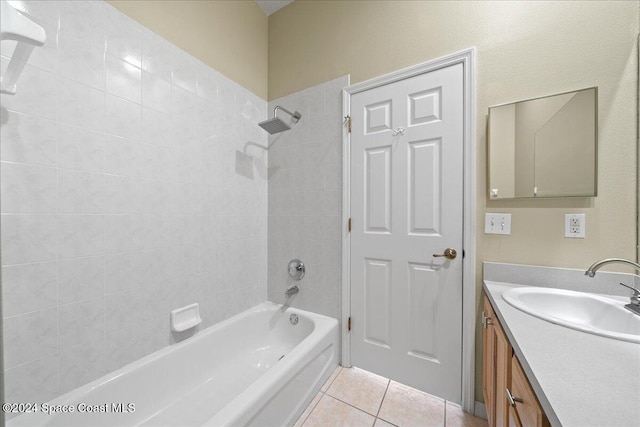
(544, 147)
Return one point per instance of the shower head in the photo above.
(277, 125)
(274, 125)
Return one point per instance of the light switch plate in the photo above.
(575, 226)
(497, 223)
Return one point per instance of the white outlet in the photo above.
(574, 226)
(497, 223)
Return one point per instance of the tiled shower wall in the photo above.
(134, 181)
(305, 199)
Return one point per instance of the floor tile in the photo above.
(359, 388)
(332, 377)
(406, 407)
(308, 410)
(332, 412)
(382, 423)
(456, 417)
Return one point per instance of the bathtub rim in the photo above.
(266, 387)
(321, 325)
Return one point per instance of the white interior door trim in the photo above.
(467, 58)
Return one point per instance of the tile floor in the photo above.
(354, 397)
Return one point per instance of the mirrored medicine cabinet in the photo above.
(544, 147)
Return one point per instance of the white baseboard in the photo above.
(480, 410)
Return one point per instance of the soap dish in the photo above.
(185, 318)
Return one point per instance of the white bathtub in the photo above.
(232, 374)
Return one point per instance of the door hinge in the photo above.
(349, 225)
(349, 324)
(347, 121)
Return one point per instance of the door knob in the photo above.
(448, 253)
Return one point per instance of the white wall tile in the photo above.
(28, 189)
(185, 71)
(28, 139)
(80, 149)
(81, 61)
(81, 322)
(80, 235)
(29, 287)
(118, 309)
(80, 279)
(156, 92)
(124, 233)
(121, 156)
(81, 105)
(122, 272)
(28, 238)
(156, 162)
(41, 11)
(122, 118)
(155, 197)
(80, 192)
(30, 336)
(123, 195)
(123, 79)
(123, 36)
(208, 83)
(157, 128)
(83, 21)
(157, 55)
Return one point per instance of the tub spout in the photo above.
(292, 291)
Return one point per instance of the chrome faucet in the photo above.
(292, 291)
(597, 265)
(634, 305)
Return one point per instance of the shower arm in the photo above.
(295, 117)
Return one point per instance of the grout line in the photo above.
(390, 423)
(445, 414)
(383, 396)
(312, 409)
(334, 378)
(347, 403)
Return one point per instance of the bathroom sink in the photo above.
(591, 313)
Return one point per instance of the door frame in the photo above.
(467, 58)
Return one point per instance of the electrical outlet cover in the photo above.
(575, 226)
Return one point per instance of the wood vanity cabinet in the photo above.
(502, 377)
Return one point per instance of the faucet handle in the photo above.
(636, 293)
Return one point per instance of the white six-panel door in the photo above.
(407, 205)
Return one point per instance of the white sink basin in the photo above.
(582, 311)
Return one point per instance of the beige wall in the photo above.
(525, 50)
(230, 36)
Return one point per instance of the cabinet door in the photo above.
(502, 375)
(526, 411)
(489, 362)
(497, 369)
